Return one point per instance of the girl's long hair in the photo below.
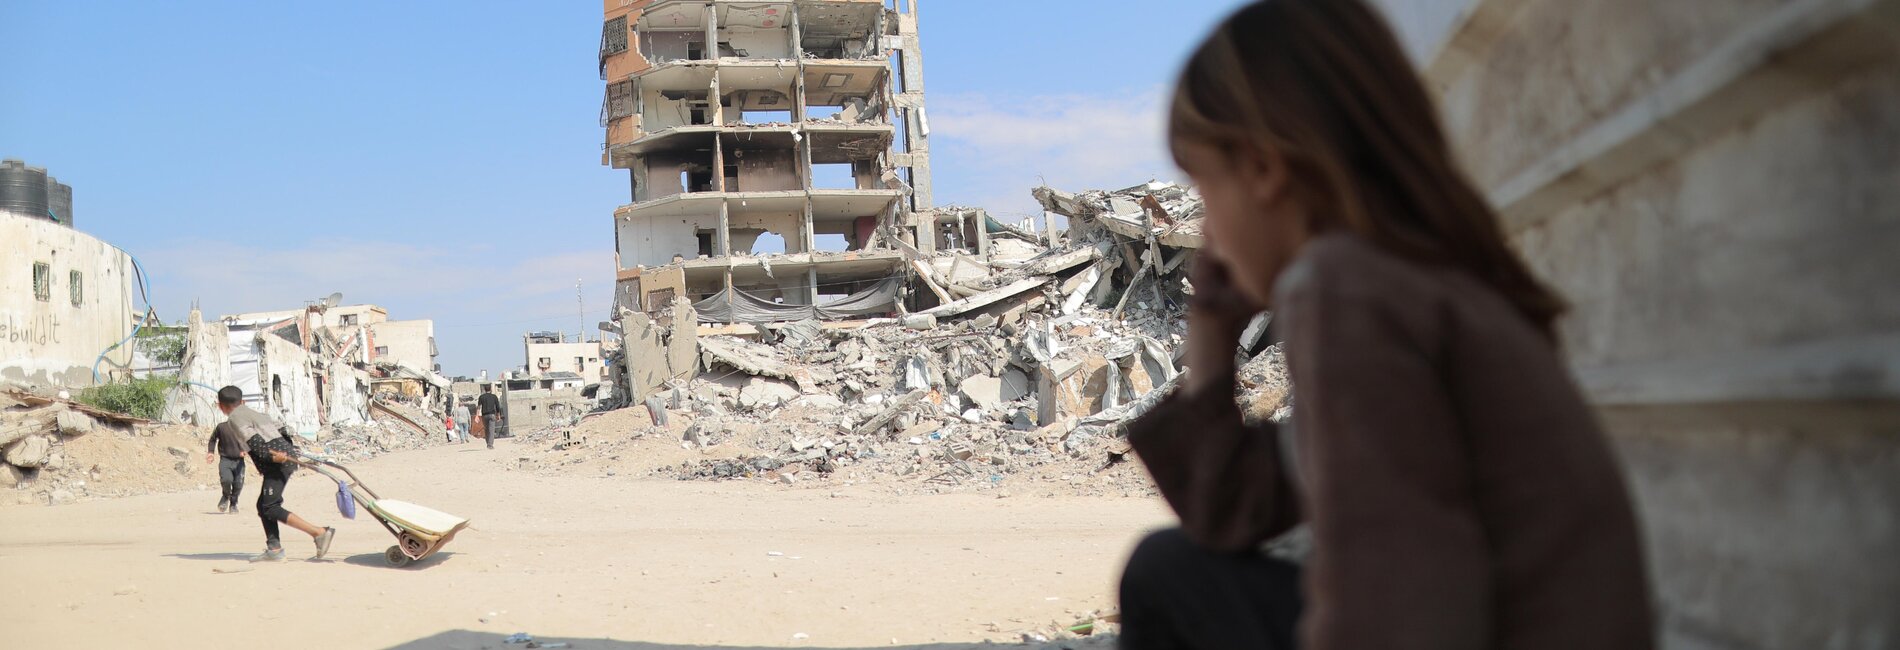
(1325, 84)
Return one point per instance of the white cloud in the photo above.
(990, 150)
(480, 299)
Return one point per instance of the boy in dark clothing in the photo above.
(270, 448)
(228, 449)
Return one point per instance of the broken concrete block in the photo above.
(821, 401)
(763, 393)
(656, 409)
(1072, 388)
(74, 423)
(29, 452)
(916, 374)
(920, 322)
(985, 392)
(11, 476)
(1015, 385)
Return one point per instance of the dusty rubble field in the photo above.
(625, 443)
(117, 461)
(577, 556)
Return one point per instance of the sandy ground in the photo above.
(597, 561)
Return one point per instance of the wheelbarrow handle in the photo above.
(318, 465)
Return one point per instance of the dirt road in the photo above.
(599, 561)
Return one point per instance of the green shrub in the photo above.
(142, 398)
(163, 346)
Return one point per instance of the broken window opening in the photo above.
(732, 176)
(76, 285)
(897, 71)
(831, 243)
(705, 243)
(770, 243)
(670, 108)
(697, 178)
(834, 177)
(668, 45)
(850, 110)
(42, 281)
(382, 350)
(758, 106)
(901, 120)
(347, 320)
(765, 117)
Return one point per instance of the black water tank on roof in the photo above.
(59, 200)
(23, 189)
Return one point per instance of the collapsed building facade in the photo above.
(320, 369)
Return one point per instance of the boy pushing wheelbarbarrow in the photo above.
(270, 448)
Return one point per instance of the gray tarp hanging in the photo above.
(735, 306)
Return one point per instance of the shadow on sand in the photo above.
(473, 640)
(217, 557)
(376, 561)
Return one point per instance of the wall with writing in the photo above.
(65, 297)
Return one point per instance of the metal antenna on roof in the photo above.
(581, 300)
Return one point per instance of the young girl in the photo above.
(1458, 490)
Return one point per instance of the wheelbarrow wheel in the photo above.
(396, 557)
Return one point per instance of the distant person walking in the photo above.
(270, 446)
(463, 419)
(228, 449)
(491, 417)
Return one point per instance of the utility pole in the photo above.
(581, 300)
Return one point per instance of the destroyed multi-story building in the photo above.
(777, 154)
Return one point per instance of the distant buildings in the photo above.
(552, 352)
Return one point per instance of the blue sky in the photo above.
(442, 159)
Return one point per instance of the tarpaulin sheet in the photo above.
(735, 306)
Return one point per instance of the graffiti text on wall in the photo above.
(35, 331)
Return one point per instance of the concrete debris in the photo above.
(29, 452)
(1008, 353)
(761, 393)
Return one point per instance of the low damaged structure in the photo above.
(315, 369)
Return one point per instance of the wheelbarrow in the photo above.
(419, 531)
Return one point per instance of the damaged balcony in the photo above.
(841, 29)
(679, 30)
(692, 160)
(838, 101)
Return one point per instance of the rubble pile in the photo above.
(393, 426)
(1030, 366)
(56, 451)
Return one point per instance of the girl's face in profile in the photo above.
(1252, 226)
